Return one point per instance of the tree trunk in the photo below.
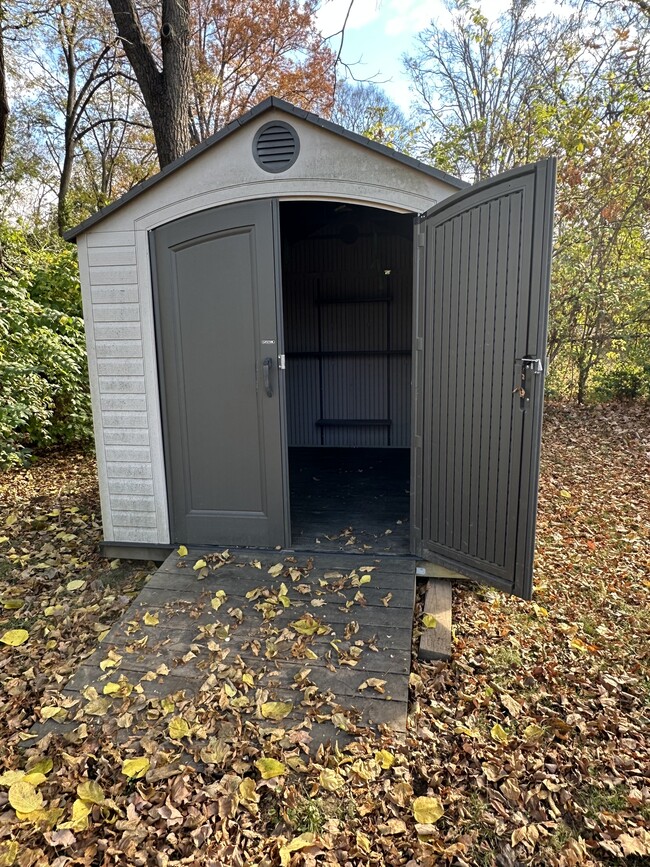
(64, 188)
(166, 92)
(4, 103)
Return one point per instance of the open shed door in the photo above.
(484, 273)
(217, 334)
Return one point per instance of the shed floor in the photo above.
(350, 499)
(359, 611)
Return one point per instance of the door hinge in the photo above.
(282, 364)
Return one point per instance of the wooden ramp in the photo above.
(329, 633)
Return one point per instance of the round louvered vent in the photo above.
(276, 146)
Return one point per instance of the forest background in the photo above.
(97, 95)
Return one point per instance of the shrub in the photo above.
(624, 382)
(44, 396)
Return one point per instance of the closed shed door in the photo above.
(217, 334)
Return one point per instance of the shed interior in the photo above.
(347, 277)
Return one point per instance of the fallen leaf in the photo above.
(77, 584)
(270, 768)
(182, 551)
(91, 791)
(385, 759)
(499, 734)
(178, 728)
(274, 571)
(135, 768)
(429, 621)
(276, 710)
(24, 798)
(331, 780)
(295, 845)
(15, 637)
(151, 619)
(200, 564)
(427, 810)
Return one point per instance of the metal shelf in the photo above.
(354, 422)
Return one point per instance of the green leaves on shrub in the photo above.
(44, 398)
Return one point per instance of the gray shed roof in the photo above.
(272, 102)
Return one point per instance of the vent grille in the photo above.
(276, 146)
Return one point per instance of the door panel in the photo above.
(484, 270)
(215, 280)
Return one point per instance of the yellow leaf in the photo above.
(248, 790)
(219, 598)
(276, 710)
(363, 843)
(10, 777)
(365, 579)
(11, 520)
(111, 688)
(77, 584)
(385, 759)
(578, 644)
(182, 551)
(12, 604)
(375, 683)
(309, 626)
(248, 679)
(151, 619)
(52, 712)
(135, 768)
(566, 494)
(429, 621)
(274, 571)
(80, 813)
(9, 850)
(15, 637)
(533, 733)
(499, 734)
(41, 766)
(200, 564)
(270, 768)
(91, 791)
(34, 778)
(24, 798)
(427, 810)
(178, 728)
(301, 842)
(108, 663)
(331, 780)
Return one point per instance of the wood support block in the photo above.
(436, 643)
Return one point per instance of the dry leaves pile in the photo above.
(530, 747)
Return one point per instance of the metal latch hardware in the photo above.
(527, 365)
(282, 364)
(534, 365)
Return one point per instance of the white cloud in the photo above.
(410, 16)
(331, 15)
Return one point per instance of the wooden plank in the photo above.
(436, 643)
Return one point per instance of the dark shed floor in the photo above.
(338, 648)
(350, 499)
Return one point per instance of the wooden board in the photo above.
(357, 663)
(436, 643)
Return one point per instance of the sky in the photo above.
(378, 33)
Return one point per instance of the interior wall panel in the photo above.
(347, 324)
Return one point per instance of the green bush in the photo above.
(44, 396)
(624, 382)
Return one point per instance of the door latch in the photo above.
(528, 365)
(282, 363)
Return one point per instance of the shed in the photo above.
(296, 335)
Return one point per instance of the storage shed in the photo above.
(297, 335)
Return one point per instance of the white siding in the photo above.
(118, 303)
(122, 419)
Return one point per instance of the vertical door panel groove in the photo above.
(485, 309)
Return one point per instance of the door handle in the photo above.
(267, 364)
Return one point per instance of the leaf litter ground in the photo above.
(530, 747)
